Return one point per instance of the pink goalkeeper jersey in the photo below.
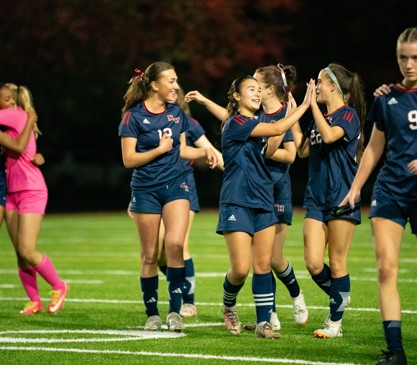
(21, 173)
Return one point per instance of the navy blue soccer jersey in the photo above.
(194, 132)
(395, 114)
(246, 180)
(332, 167)
(279, 170)
(148, 129)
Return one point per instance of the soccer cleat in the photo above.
(153, 323)
(300, 309)
(32, 308)
(331, 329)
(174, 322)
(58, 297)
(188, 310)
(392, 358)
(231, 320)
(264, 330)
(274, 322)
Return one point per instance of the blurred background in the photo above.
(76, 57)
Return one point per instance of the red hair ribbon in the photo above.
(139, 74)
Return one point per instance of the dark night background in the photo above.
(76, 57)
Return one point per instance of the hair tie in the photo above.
(283, 77)
(139, 74)
(334, 79)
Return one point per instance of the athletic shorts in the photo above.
(3, 190)
(283, 211)
(192, 189)
(397, 211)
(152, 200)
(27, 201)
(241, 219)
(326, 215)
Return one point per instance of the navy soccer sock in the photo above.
(175, 279)
(392, 332)
(339, 297)
(189, 282)
(230, 292)
(323, 279)
(288, 279)
(274, 292)
(150, 295)
(163, 269)
(263, 296)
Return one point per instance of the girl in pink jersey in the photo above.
(26, 200)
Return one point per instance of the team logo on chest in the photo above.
(171, 118)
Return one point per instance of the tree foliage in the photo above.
(77, 56)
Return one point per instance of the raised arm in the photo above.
(218, 111)
(277, 129)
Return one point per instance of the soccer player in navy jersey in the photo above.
(394, 198)
(195, 136)
(333, 143)
(246, 216)
(152, 135)
(273, 100)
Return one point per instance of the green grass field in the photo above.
(103, 317)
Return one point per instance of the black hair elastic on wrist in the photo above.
(345, 209)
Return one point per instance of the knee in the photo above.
(386, 272)
(25, 254)
(149, 260)
(314, 267)
(238, 274)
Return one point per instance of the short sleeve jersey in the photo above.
(194, 132)
(395, 114)
(21, 172)
(332, 167)
(279, 170)
(148, 129)
(246, 180)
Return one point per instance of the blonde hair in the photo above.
(23, 98)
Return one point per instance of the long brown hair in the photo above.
(140, 85)
(272, 76)
(353, 95)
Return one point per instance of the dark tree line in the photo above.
(77, 56)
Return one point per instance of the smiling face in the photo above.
(167, 86)
(324, 87)
(6, 98)
(266, 90)
(407, 62)
(249, 97)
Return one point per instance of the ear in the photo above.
(154, 86)
(236, 96)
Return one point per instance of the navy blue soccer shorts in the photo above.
(192, 189)
(326, 215)
(283, 211)
(241, 219)
(152, 200)
(399, 212)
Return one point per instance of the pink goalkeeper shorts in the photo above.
(27, 201)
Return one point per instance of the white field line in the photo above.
(172, 355)
(207, 304)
